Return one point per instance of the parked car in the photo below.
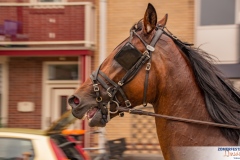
(33, 144)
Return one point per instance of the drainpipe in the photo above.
(102, 29)
(102, 56)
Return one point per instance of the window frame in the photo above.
(46, 72)
(48, 5)
(49, 78)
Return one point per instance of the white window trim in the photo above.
(4, 102)
(52, 5)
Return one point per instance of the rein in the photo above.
(178, 119)
(141, 112)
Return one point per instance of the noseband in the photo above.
(144, 58)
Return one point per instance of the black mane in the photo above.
(222, 100)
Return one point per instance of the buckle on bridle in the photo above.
(108, 92)
(150, 48)
(120, 83)
(146, 53)
(148, 67)
(95, 88)
(99, 99)
(128, 103)
(113, 112)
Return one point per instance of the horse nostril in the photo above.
(74, 101)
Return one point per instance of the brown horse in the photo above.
(153, 66)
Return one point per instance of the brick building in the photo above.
(45, 50)
(48, 48)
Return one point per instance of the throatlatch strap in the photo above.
(153, 43)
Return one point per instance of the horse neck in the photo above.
(180, 96)
(178, 90)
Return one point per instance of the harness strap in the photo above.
(96, 89)
(146, 83)
(102, 82)
(140, 38)
(148, 67)
(95, 86)
(146, 56)
(115, 85)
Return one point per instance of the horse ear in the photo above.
(150, 19)
(163, 21)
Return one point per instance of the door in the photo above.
(59, 103)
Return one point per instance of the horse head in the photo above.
(121, 79)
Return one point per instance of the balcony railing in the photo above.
(47, 24)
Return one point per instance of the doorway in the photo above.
(58, 102)
(60, 80)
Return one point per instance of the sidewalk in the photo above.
(143, 157)
(139, 157)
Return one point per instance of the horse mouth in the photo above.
(93, 115)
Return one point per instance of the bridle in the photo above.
(130, 74)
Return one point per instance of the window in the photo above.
(217, 12)
(14, 148)
(63, 72)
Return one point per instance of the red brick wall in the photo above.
(25, 84)
(68, 25)
(7, 13)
